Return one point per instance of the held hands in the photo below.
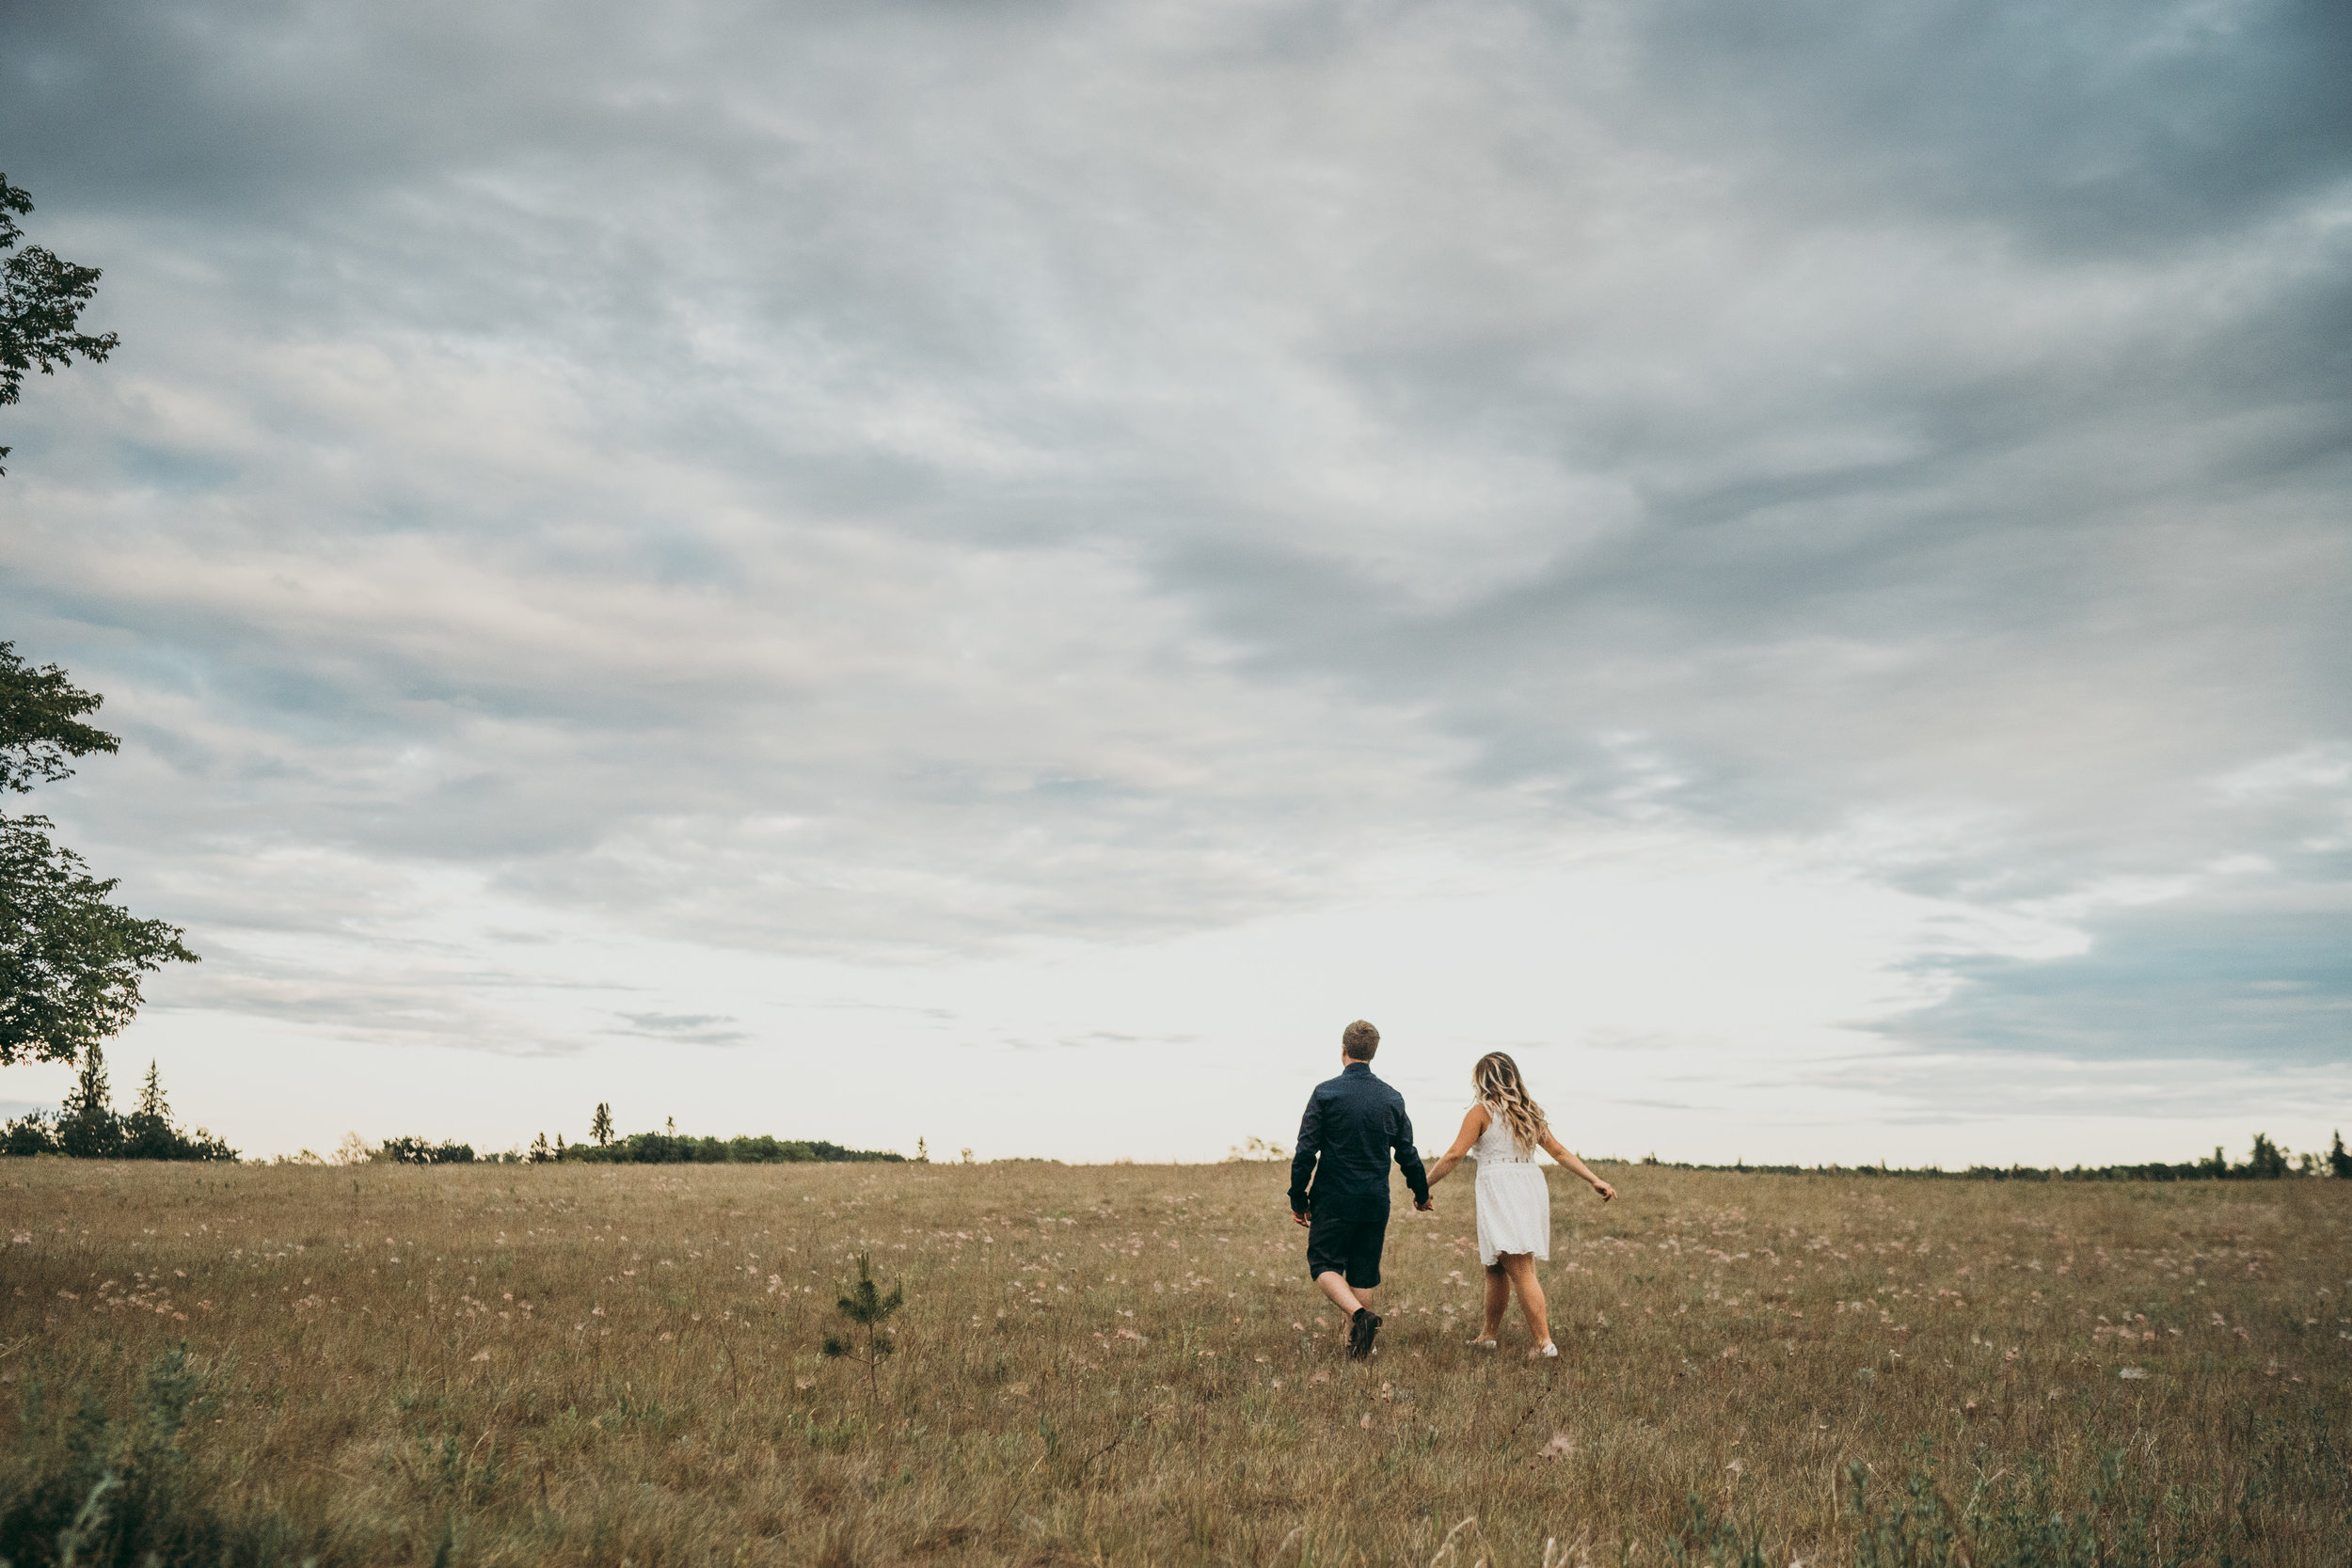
(1297, 1217)
(1427, 1206)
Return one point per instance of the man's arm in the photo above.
(1303, 1160)
(1409, 1157)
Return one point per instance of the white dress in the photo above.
(1514, 1201)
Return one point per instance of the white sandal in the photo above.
(1548, 1351)
(1480, 1344)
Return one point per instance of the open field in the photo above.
(620, 1364)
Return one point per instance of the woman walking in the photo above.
(1502, 1132)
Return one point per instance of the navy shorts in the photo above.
(1346, 1246)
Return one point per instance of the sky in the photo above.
(996, 572)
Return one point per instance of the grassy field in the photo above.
(1125, 1364)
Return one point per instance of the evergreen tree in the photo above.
(863, 1303)
(2267, 1163)
(87, 1128)
(2339, 1162)
(600, 1125)
(540, 1153)
(147, 1132)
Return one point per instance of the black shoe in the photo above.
(1362, 1330)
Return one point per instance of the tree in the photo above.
(540, 1153)
(600, 1125)
(87, 1127)
(71, 962)
(2268, 1162)
(2339, 1162)
(40, 305)
(149, 1128)
(863, 1303)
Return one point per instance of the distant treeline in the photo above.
(2268, 1162)
(671, 1148)
(668, 1148)
(89, 1127)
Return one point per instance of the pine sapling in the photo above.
(863, 1303)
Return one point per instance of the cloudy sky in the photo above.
(997, 572)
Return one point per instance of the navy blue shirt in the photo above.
(1354, 1123)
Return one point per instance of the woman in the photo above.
(1503, 1131)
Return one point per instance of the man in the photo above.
(1353, 1124)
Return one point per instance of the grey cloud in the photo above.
(2110, 128)
(685, 1028)
(901, 480)
(2178, 981)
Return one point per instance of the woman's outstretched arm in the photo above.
(1473, 1125)
(1552, 1147)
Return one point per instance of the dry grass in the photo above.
(606, 1365)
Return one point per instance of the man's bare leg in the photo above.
(1334, 1284)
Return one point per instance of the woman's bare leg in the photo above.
(1498, 1299)
(1519, 1269)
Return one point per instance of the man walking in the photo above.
(1353, 1124)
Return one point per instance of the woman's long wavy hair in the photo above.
(1503, 1092)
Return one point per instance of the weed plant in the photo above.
(561, 1364)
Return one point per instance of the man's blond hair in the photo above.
(1359, 1041)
